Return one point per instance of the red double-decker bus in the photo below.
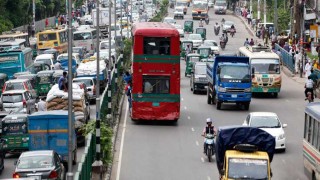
(156, 72)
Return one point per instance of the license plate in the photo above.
(36, 177)
(265, 89)
(205, 86)
(233, 95)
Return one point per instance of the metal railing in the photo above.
(84, 166)
(286, 58)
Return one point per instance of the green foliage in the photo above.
(162, 12)
(5, 25)
(105, 139)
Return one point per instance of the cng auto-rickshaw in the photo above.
(3, 79)
(204, 51)
(188, 26)
(202, 31)
(191, 58)
(15, 133)
(40, 66)
(183, 46)
(45, 82)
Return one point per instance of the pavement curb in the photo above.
(114, 137)
(287, 72)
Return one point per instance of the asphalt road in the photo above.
(11, 158)
(164, 151)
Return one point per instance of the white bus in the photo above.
(85, 38)
(266, 66)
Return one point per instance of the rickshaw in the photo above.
(52, 51)
(56, 75)
(183, 47)
(15, 133)
(45, 82)
(191, 58)
(204, 51)
(3, 79)
(188, 26)
(202, 31)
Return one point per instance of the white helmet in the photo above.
(209, 120)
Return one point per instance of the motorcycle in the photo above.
(232, 31)
(222, 45)
(309, 97)
(216, 30)
(207, 21)
(210, 146)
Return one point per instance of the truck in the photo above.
(229, 81)
(199, 10)
(104, 21)
(244, 153)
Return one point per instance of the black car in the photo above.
(43, 164)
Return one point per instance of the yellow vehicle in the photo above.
(266, 64)
(240, 157)
(53, 38)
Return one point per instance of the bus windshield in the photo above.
(82, 36)
(199, 6)
(234, 73)
(11, 128)
(241, 168)
(266, 66)
(48, 37)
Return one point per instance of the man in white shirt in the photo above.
(57, 66)
(42, 105)
(309, 87)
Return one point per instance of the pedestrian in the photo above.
(57, 66)
(251, 43)
(127, 77)
(41, 106)
(249, 18)
(246, 42)
(47, 22)
(297, 60)
(286, 47)
(128, 90)
(63, 82)
(307, 69)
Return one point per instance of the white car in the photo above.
(227, 25)
(270, 123)
(196, 40)
(180, 29)
(213, 45)
(178, 13)
(169, 20)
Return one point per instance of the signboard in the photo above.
(314, 31)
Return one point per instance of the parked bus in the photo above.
(15, 57)
(9, 35)
(54, 38)
(266, 65)
(311, 141)
(85, 38)
(156, 69)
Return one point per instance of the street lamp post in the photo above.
(265, 12)
(258, 9)
(33, 18)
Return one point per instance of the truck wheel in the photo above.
(209, 100)
(218, 103)
(275, 95)
(246, 106)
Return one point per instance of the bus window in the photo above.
(315, 133)
(156, 84)
(156, 46)
(48, 37)
(81, 36)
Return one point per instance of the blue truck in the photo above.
(229, 81)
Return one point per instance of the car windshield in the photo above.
(14, 86)
(210, 43)
(34, 162)
(200, 69)
(178, 26)
(46, 61)
(230, 72)
(264, 121)
(266, 66)
(181, 4)
(87, 82)
(241, 168)
(179, 10)
(12, 98)
(76, 51)
(82, 36)
(61, 57)
(200, 6)
(195, 37)
(221, 3)
(204, 52)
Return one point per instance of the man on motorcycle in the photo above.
(200, 23)
(209, 129)
(308, 87)
(207, 19)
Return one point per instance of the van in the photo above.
(47, 59)
(220, 7)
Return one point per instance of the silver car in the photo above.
(18, 101)
(91, 83)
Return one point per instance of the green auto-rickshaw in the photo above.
(40, 66)
(188, 26)
(191, 58)
(202, 31)
(183, 47)
(15, 133)
(45, 82)
(3, 79)
(56, 76)
(204, 51)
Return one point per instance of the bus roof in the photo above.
(313, 109)
(148, 29)
(251, 52)
(52, 31)
(12, 42)
(13, 34)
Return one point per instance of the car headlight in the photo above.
(281, 136)
(247, 90)
(222, 89)
(258, 79)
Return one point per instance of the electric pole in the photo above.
(275, 17)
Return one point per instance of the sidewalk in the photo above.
(285, 70)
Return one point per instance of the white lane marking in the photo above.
(185, 107)
(192, 129)
(197, 143)
(208, 177)
(181, 99)
(189, 117)
(202, 159)
(122, 142)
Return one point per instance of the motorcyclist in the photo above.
(308, 87)
(188, 50)
(207, 19)
(223, 38)
(200, 23)
(209, 129)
